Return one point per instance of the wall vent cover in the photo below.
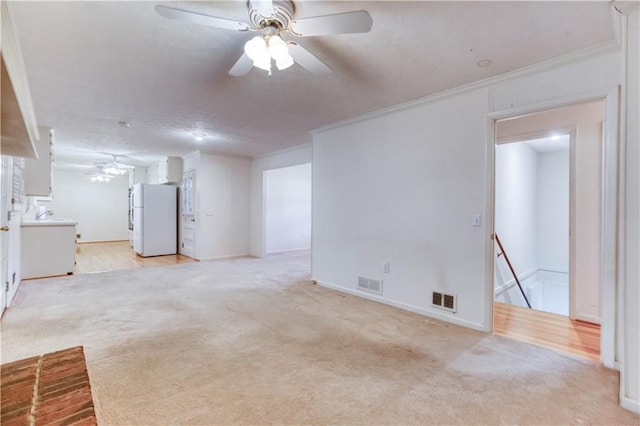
(444, 301)
(370, 285)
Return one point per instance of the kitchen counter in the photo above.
(48, 247)
(49, 222)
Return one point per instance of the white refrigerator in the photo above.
(155, 230)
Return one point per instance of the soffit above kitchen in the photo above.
(118, 78)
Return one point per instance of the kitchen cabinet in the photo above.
(48, 248)
(38, 173)
(170, 170)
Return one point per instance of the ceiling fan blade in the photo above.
(264, 7)
(307, 60)
(340, 23)
(200, 19)
(242, 66)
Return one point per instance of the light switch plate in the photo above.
(476, 220)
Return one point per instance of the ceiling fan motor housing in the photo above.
(283, 11)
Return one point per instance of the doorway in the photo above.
(287, 207)
(532, 206)
(548, 218)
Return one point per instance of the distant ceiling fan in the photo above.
(272, 19)
(113, 167)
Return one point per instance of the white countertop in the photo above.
(49, 222)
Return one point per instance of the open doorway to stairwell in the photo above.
(547, 223)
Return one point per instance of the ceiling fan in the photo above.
(273, 19)
(113, 167)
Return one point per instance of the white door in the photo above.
(188, 214)
(4, 226)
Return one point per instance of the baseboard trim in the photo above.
(512, 281)
(101, 241)
(553, 269)
(288, 251)
(588, 318)
(405, 306)
(630, 404)
(227, 256)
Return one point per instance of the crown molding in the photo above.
(568, 59)
(626, 7)
(283, 151)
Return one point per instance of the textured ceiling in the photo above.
(93, 64)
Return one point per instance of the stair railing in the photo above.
(503, 252)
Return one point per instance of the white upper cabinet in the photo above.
(38, 173)
(170, 170)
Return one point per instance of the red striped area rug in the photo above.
(50, 389)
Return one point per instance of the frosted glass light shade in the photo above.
(284, 63)
(255, 48)
(278, 48)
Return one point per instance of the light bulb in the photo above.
(278, 48)
(255, 48)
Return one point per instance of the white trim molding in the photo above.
(569, 58)
(404, 306)
(626, 7)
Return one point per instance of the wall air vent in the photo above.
(370, 285)
(443, 301)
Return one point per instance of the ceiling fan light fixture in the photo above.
(264, 63)
(199, 136)
(278, 48)
(284, 63)
(114, 171)
(100, 178)
(256, 48)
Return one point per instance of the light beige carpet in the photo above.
(250, 341)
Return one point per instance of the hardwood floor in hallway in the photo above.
(118, 255)
(549, 330)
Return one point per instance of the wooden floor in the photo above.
(548, 330)
(118, 255)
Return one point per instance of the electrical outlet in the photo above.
(387, 268)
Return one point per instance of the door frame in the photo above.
(5, 248)
(610, 200)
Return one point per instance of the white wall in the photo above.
(151, 175)
(630, 320)
(291, 157)
(553, 211)
(100, 208)
(401, 187)
(222, 205)
(516, 211)
(288, 208)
